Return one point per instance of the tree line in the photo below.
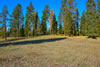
(87, 25)
(28, 25)
(69, 22)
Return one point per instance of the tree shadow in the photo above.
(31, 42)
(93, 37)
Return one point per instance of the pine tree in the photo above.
(35, 24)
(98, 18)
(1, 31)
(3, 22)
(77, 23)
(61, 13)
(29, 20)
(91, 18)
(66, 22)
(60, 30)
(83, 24)
(38, 27)
(21, 30)
(54, 25)
(44, 19)
(16, 20)
(51, 20)
(69, 20)
(61, 17)
(27, 26)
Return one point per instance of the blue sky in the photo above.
(39, 5)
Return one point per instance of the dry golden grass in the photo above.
(44, 51)
(79, 37)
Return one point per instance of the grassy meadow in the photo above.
(51, 51)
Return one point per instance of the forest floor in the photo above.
(51, 51)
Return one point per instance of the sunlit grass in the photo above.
(69, 52)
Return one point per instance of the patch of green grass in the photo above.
(51, 51)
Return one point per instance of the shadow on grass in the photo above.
(93, 37)
(31, 42)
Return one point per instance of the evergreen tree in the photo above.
(77, 23)
(44, 19)
(1, 31)
(68, 19)
(35, 26)
(61, 17)
(51, 21)
(38, 27)
(60, 30)
(29, 20)
(54, 25)
(61, 13)
(21, 30)
(3, 22)
(98, 18)
(83, 24)
(16, 20)
(91, 18)
(27, 26)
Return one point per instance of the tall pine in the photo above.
(54, 25)
(16, 21)
(3, 22)
(91, 18)
(83, 24)
(35, 25)
(44, 19)
(68, 19)
(98, 18)
(51, 21)
(77, 23)
(29, 20)
(60, 29)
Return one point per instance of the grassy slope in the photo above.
(54, 53)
